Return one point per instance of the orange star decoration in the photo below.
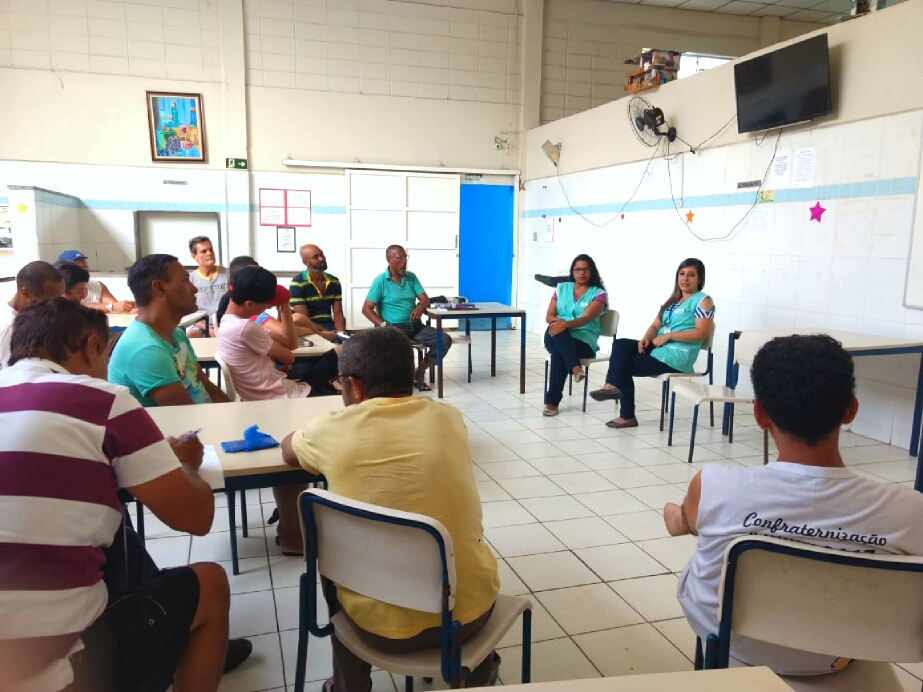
(689, 215)
(22, 208)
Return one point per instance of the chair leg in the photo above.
(526, 647)
(765, 447)
(139, 527)
(301, 656)
(243, 513)
(664, 387)
(672, 409)
(570, 385)
(699, 662)
(695, 420)
(545, 388)
(731, 425)
(711, 406)
(586, 386)
(470, 367)
(408, 684)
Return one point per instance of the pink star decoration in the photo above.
(816, 212)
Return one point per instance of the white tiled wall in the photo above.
(468, 51)
(147, 38)
(846, 273)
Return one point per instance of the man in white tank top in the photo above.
(98, 297)
(805, 390)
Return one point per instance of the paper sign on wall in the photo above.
(780, 173)
(285, 207)
(549, 230)
(804, 167)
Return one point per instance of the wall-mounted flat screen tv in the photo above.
(787, 86)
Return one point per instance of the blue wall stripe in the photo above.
(879, 188)
(133, 205)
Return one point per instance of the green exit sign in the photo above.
(236, 163)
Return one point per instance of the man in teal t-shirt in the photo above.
(154, 358)
(397, 299)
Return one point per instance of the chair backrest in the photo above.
(609, 323)
(863, 606)
(113, 340)
(396, 557)
(226, 380)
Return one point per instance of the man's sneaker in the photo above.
(238, 652)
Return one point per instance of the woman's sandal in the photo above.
(422, 386)
(287, 554)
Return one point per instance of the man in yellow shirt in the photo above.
(408, 453)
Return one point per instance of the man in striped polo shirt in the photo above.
(70, 441)
(318, 295)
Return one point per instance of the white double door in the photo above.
(416, 210)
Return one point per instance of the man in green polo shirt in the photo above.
(397, 299)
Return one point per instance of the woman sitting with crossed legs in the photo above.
(670, 344)
(573, 327)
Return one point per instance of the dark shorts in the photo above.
(136, 644)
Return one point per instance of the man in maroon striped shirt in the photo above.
(70, 441)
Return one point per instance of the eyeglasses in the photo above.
(581, 269)
(401, 258)
(339, 382)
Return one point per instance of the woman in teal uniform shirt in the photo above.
(670, 344)
(573, 327)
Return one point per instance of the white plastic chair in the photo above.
(227, 381)
(402, 559)
(667, 378)
(699, 394)
(608, 326)
(825, 601)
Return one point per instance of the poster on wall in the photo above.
(6, 228)
(285, 239)
(176, 127)
(285, 207)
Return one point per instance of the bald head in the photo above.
(313, 258)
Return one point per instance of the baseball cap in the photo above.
(71, 256)
(259, 285)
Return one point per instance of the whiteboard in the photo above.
(913, 291)
(169, 232)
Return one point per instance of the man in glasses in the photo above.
(395, 450)
(397, 299)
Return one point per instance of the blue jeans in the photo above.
(566, 352)
(624, 363)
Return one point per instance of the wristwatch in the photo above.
(382, 324)
(109, 307)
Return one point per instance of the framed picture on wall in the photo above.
(176, 125)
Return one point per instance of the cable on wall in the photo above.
(756, 198)
(618, 214)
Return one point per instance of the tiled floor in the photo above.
(572, 510)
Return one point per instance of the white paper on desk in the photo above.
(210, 470)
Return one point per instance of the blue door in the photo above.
(485, 247)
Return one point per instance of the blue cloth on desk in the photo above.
(253, 440)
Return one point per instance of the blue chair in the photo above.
(868, 607)
(402, 559)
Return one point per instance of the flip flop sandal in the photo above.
(422, 386)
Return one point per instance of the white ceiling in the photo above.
(820, 11)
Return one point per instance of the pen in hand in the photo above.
(189, 435)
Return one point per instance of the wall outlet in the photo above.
(535, 237)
